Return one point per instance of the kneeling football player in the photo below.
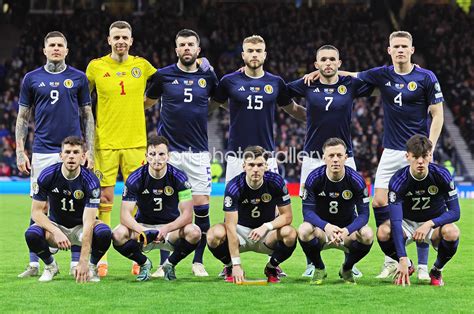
(250, 222)
(331, 196)
(163, 220)
(73, 193)
(423, 207)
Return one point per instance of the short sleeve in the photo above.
(84, 96)
(90, 73)
(26, 95)
(297, 88)
(40, 188)
(371, 76)
(214, 81)
(221, 95)
(447, 185)
(433, 89)
(361, 88)
(156, 87)
(283, 98)
(230, 200)
(183, 187)
(93, 191)
(130, 192)
(149, 69)
(309, 195)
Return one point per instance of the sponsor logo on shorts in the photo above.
(346, 194)
(169, 190)
(202, 83)
(228, 201)
(433, 189)
(268, 89)
(342, 90)
(68, 83)
(78, 194)
(266, 197)
(136, 72)
(412, 86)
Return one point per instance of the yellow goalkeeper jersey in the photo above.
(120, 113)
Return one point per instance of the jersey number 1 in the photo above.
(123, 88)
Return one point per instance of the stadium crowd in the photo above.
(292, 36)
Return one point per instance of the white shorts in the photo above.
(235, 167)
(409, 227)
(309, 164)
(197, 166)
(249, 245)
(389, 163)
(73, 234)
(38, 163)
(166, 245)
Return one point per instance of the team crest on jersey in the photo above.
(228, 201)
(188, 82)
(54, 84)
(433, 189)
(35, 188)
(255, 89)
(266, 197)
(346, 194)
(68, 83)
(169, 190)
(412, 86)
(98, 174)
(329, 90)
(96, 193)
(268, 89)
(399, 86)
(136, 72)
(342, 90)
(78, 194)
(334, 194)
(202, 83)
(392, 197)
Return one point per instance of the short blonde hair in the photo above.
(254, 39)
(400, 34)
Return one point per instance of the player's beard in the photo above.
(188, 62)
(253, 65)
(327, 75)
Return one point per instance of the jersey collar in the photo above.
(411, 70)
(44, 67)
(427, 172)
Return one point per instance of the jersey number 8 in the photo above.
(333, 207)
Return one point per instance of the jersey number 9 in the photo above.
(54, 94)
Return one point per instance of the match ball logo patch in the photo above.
(68, 83)
(99, 174)
(392, 197)
(169, 190)
(304, 195)
(268, 89)
(125, 190)
(412, 86)
(342, 90)
(202, 83)
(437, 87)
(346, 194)
(433, 189)
(136, 72)
(266, 197)
(78, 194)
(228, 201)
(35, 188)
(96, 193)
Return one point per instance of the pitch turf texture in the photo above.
(119, 292)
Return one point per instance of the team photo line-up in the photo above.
(76, 159)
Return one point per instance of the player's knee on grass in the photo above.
(450, 232)
(288, 235)
(192, 233)
(383, 232)
(366, 235)
(120, 235)
(216, 235)
(305, 232)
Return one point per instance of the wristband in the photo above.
(235, 260)
(269, 226)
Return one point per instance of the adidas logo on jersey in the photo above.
(242, 89)
(55, 190)
(316, 90)
(246, 201)
(107, 74)
(322, 194)
(42, 84)
(175, 82)
(388, 84)
(146, 192)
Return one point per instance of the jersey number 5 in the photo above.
(188, 97)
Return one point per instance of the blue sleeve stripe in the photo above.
(181, 176)
(46, 172)
(430, 74)
(134, 177)
(232, 188)
(399, 181)
(91, 179)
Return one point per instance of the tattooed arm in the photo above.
(21, 132)
(88, 126)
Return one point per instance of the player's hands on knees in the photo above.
(258, 233)
(81, 273)
(237, 274)
(23, 162)
(163, 232)
(332, 232)
(421, 232)
(61, 240)
(402, 277)
(341, 236)
(311, 77)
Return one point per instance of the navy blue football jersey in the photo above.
(405, 100)
(157, 198)
(256, 207)
(329, 110)
(252, 106)
(326, 201)
(184, 106)
(55, 99)
(67, 198)
(432, 198)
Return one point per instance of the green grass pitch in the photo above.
(119, 292)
